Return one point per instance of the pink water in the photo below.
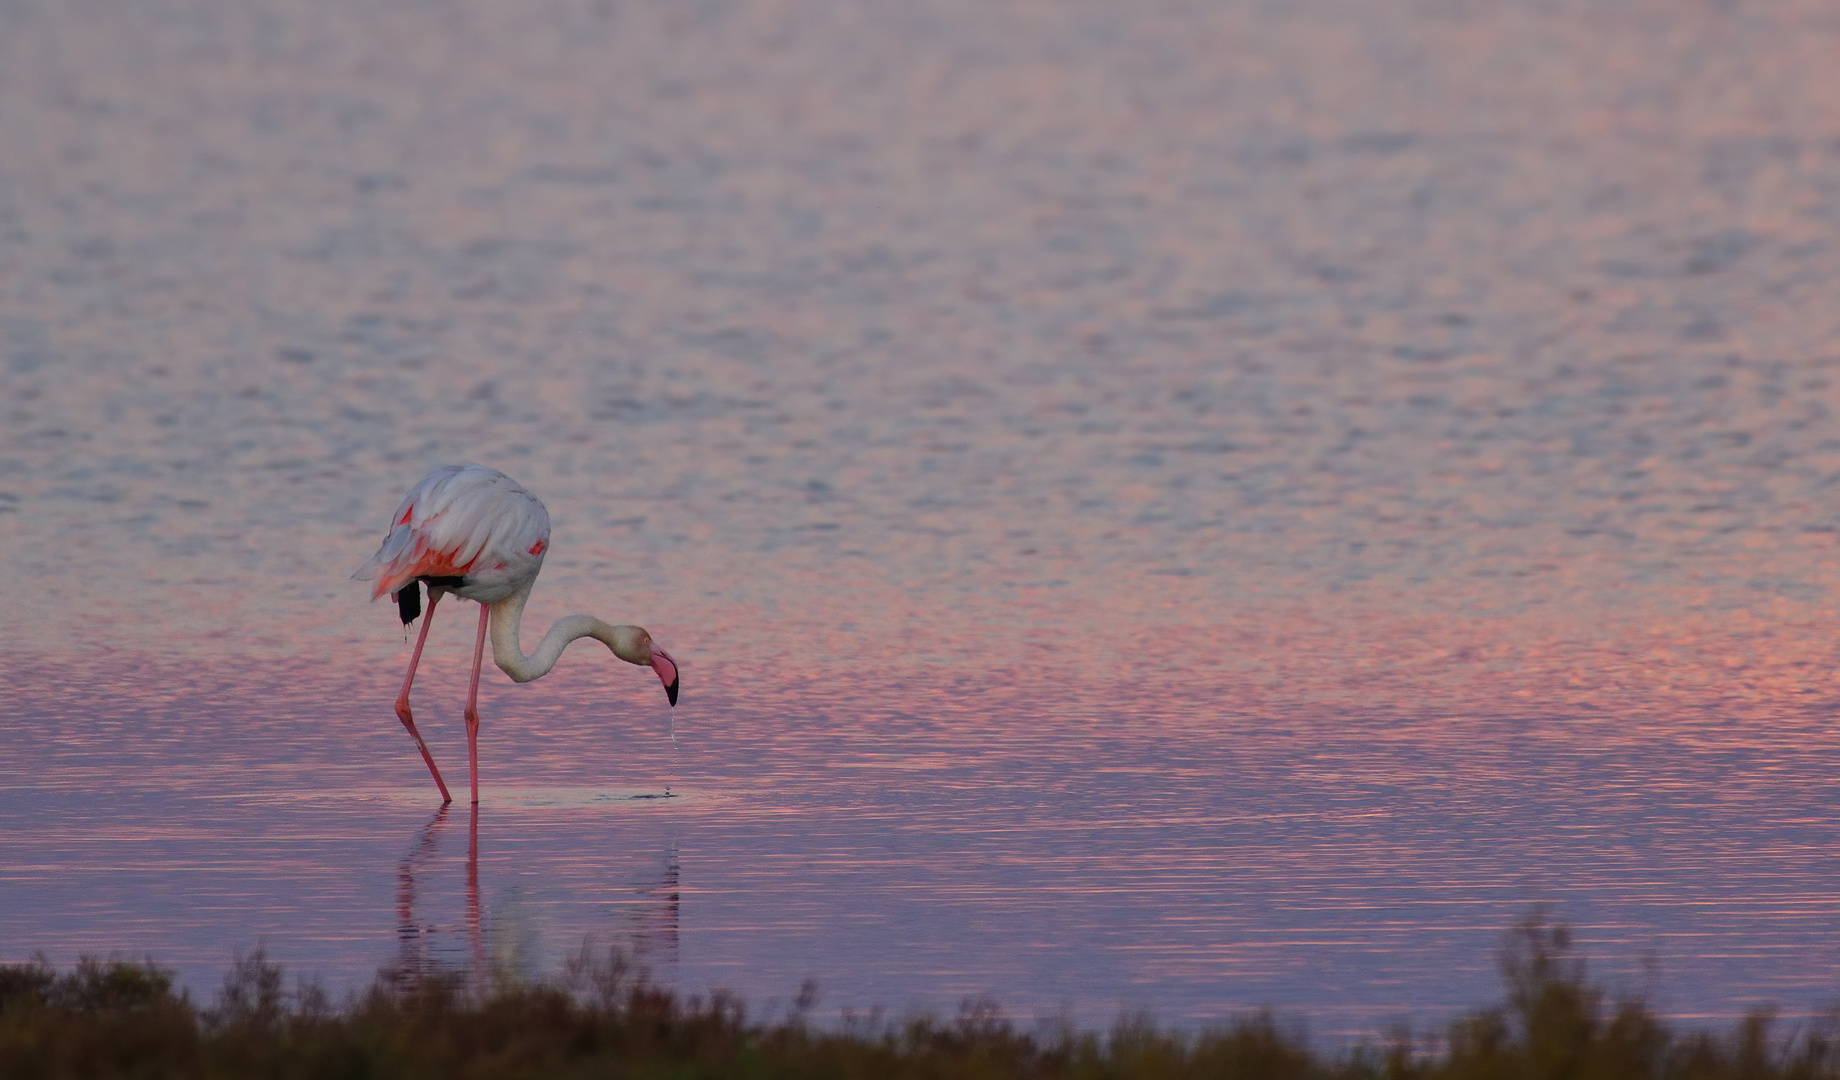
(1179, 506)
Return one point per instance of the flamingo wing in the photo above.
(465, 522)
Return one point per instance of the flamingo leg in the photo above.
(472, 704)
(402, 699)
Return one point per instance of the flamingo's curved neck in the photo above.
(509, 655)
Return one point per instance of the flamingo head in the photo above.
(634, 645)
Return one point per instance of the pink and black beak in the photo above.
(667, 672)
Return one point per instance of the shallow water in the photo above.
(1174, 506)
(1126, 850)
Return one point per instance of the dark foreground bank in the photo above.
(119, 1018)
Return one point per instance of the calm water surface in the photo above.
(1169, 506)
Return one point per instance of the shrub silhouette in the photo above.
(601, 1017)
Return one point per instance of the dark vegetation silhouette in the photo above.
(603, 1018)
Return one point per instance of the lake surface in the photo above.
(1166, 506)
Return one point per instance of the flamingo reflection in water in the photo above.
(644, 930)
(474, 532)
(418, 939)
(646, 925)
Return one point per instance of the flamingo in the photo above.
(476, 533)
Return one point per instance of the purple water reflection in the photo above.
(1106, 849)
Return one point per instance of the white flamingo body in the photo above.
(474, 532)
(464, 521)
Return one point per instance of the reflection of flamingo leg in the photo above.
(414, 961)
(472, 705)
(402, 699)
(474, 928)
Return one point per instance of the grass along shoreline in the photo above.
(601, 1018)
